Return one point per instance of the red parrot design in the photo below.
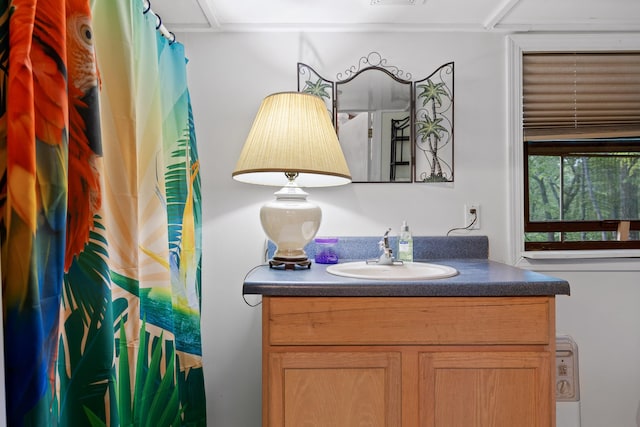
(52, 183)
(84, 130)
(37, 129)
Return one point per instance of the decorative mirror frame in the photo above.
(432, 153)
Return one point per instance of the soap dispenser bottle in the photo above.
(405, 244)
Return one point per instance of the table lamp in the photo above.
(292, 144)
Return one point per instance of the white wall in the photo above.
(230, 73)
(602, 314)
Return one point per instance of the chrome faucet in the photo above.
(386, 258)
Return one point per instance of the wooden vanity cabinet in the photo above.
(408, 361)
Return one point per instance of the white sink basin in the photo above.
(406, 271)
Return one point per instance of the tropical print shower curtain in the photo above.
(99, 218)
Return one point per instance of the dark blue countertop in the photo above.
(477, 276)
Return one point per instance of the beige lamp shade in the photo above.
(292, 132)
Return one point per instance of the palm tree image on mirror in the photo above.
(311, 82)
(434, 126)
(391, 128)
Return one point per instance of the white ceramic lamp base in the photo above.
(290, 222)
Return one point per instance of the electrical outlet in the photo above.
(472, 216)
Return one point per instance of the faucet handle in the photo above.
(386, 258)
(384, 242)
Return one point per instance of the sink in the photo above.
(405, 271)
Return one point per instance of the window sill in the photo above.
(622, 253)
(610, 260)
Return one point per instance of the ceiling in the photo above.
(398, 15)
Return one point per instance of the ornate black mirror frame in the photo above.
(430, 117)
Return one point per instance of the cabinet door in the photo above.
(486, 389)
(334, 389)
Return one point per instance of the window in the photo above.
(576, 135)
(582, 194)
(581, 134)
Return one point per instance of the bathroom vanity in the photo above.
(475, 349)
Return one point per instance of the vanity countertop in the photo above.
(477, 275)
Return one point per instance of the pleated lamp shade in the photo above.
(292, 144)
(292, 132)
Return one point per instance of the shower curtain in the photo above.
(100, 218)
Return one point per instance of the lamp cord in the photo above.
(244, 297)
(475, 219)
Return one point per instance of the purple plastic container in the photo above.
(326, 250)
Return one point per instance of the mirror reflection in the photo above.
(391, 129)
(374, 119)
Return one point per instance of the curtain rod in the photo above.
(159, 26)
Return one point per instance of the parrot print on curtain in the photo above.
(100, 218)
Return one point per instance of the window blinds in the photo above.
(581, 95)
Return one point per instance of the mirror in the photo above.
(373, 118)
(391, 128)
